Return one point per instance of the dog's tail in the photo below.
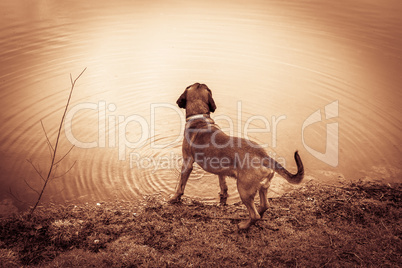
(292, 178)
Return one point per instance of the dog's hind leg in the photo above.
(247, 194)
(224, 190)
(263, 192)
(186, 169)
(263, 201)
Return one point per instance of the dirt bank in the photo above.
(315, 226)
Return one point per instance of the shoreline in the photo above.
(356, 224)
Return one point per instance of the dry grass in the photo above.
(315, 226)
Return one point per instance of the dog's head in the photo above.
(197, 99)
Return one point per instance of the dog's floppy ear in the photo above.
(182, 100)
(211, 102)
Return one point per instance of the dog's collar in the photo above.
(197, 116)
(204, 117)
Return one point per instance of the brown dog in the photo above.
(218, 153)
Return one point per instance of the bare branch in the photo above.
(49, 174)
(50, 150)
(78, 76)
(30, 187)
(61, 159)
(47, 138)
(54, 173)
(14, 196)
(59, 176)
(37, 171)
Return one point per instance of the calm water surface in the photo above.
(273, 66)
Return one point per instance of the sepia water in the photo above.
(321, 77)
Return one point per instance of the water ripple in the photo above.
(272, 59)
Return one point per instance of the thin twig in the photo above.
(30, 187)
(10, 192)
(68, 170)
(57, 142)
(54, 173)
(50, 150)
(47, 138)
(61, 159)
(37, 171)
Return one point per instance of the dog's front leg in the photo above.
(224, 190)
(186, 169)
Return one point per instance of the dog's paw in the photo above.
(244, 225)
(174, 200)
(223, 199)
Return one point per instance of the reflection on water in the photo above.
(282, 61)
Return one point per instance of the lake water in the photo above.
(320, 77)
